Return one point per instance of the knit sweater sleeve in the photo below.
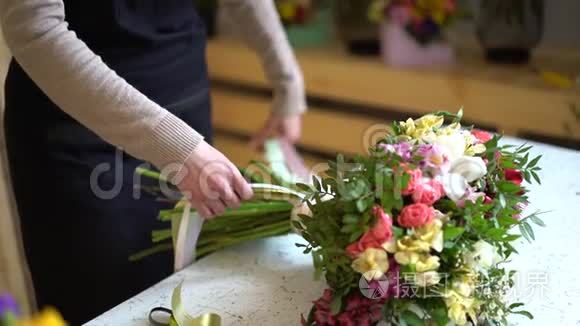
(83, 86)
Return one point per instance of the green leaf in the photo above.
(507, 221)
(495, 233)
(515, 305)
(355, 235)
(502, 201)
(535, 176)
(451, 233)
(508, 187)
(411, 318)
(537, 221)
(398, 232)
(534, 162)
(524, 232)
(523, 313)
(361, 204)
(303, 187)
(336, 304)
(529, 230)
(350, 219)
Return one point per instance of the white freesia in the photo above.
(463, 170)
(469, 167)
(455, 186)
(483, 257)
(452, 145)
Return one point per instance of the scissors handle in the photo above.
(155, 313)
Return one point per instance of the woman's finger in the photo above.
(202, 210)
(217, 207)
(241, 186)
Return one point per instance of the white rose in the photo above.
(471, 168)
(483, 257)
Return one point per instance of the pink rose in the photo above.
(416, 215)
(428, 192)
(380, 233)
(414, 180)
(482, 136)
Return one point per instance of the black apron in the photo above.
(78, 237)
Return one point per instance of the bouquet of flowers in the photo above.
(417, 231)
(422, 19)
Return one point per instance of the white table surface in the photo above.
(270, 282)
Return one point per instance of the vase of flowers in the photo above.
(411, 31)
(509, 29)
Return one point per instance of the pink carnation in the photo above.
(428, 192)
(376, 236)
(415, 178)
(416, 215)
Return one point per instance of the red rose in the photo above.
(414, 180)
(514, 176)
(380, 233)
(416, 215)
(482, 136)
(428, 192)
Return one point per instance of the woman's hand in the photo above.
(288, 127)
(211, 182)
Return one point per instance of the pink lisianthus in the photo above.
(428, 192)
(434, 159)
(415, 177)
(472, 196)
(416, 215)
(380, 233)
(481, 136)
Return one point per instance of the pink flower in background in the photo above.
(402, 149)
(401, 15)
(380, 233)
(428, 192)
(472, 196)
(414, 180)
(416, 215)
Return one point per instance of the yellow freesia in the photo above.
(432, 234)
(459, 301)
(427, 263)
(411, 244)
(372, 263)
(47, 317)
(429, 121)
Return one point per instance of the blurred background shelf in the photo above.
(350, 94)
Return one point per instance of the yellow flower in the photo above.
(432, 234)
(407, 258)
(410, 244)
(372, 263)
(47, 317)
(287, 10)
(429, 121)
(390, 246)
(459, 301)
(475, 149)
(427, 263)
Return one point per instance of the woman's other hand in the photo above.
(288, 127)
(211, 182)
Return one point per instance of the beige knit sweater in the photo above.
(83, 86)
